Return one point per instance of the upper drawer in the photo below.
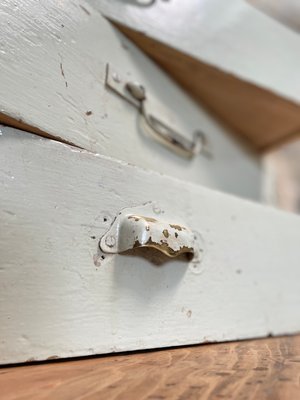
(228, 54)
(52, 77)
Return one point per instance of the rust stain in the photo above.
(164, 247)
(166, 233)
(52, 358)
(148, 219)
(135, 217)
(177, 227)
(138, 218)
(136, 244)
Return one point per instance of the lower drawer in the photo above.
(61, 296)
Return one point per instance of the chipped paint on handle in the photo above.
(139, 227)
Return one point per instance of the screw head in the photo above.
(110, 241)
(136, 90)
(116, 77)
(156, 209)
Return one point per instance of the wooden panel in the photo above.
(261, 369)
(235, 59)
(61, 297)
(52, 81)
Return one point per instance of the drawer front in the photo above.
(210, 46)
(53, 77)
(60, 296)
(227, 36)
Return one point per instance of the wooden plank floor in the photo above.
(260, 369)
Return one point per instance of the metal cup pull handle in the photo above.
(130, 231)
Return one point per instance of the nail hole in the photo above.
(105, 219)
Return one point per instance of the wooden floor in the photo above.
(260, 369)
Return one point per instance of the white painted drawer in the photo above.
(228, 54)
(233, 36)
(59, 298)
(52, 78)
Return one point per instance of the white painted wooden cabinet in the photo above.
(110, 240)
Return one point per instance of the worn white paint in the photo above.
(139, 227)
(53, 57)
(233, 36)
(59, 298)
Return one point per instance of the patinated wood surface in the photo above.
(261, 369)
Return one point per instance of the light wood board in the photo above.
(262, 369)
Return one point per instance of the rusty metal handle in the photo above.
(130, 231)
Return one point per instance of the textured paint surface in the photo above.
(59, 295)
(52, 77)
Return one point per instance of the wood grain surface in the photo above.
(260, 369)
